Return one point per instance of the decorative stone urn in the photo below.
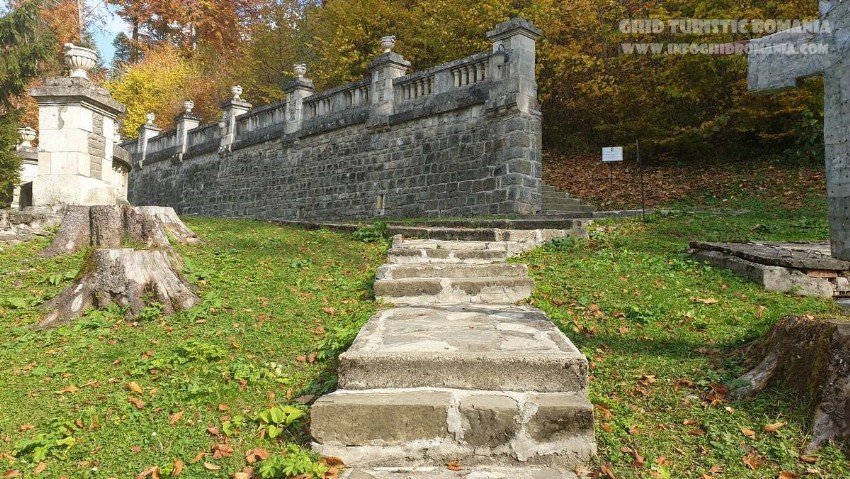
(388, 43)
(27, 135)
(80, 60)
(237, 92)
(300, 70)
(188, 105)
(150, 117)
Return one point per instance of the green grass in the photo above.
(663, 331)
(277, 303)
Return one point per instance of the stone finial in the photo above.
(27, 135)
(188, 105)
(79, 60)
(236, 91)
(388, 43)
(150, 117)
(300, 70)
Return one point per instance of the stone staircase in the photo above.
(560, 203)
(457, 373)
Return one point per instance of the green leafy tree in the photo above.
(24, 44)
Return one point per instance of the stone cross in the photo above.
(780, 61)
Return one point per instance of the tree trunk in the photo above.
(113, 226)
(132, 279)
(811, 358)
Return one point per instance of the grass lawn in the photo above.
(215, 389)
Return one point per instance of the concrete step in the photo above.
(443, 472)
(486, 234)
(414, 255)
(512, 348)
(431, 291)
(568, 205)
(424, 427)
(404, 271)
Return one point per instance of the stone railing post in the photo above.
(296, 91)
(385, 69)
(185, 122)
(514, 62)
(147, 131)
(232, 109)
(29, 168)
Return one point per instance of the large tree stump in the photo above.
(129, 278)
(113, 226)
(810, 357)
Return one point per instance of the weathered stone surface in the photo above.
(560, 416)
(489, 420)
(442, 472)
(356, 419)
(466, 347)
(772, 278)
(451, 271)
(431, 291)
(804, 256)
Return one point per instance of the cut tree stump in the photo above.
(107, 226)
(809, 357)
(130, 278)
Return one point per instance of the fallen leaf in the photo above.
(69, 389)
(257, 454)
(136, 402)
(222, 450)
(175, 417)
(453, 466)
(788, 475)
(748, 432)
(241, 475)
(12, 473)
(178, 468)
(198, 458)
(151, 470)
(775, 426)
(753, 460)
(136, 449)
(311, 358)
(212, 430)
(689, 422)
(26, 427)
(606, 469)
(223, 407)
(606, 427)
(809, 459)
(211, 467)
(708, 301)
(134, 386)
(329, 311)
(332, 461)
(39, 468)
(647, 379)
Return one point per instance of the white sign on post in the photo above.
(612, 154)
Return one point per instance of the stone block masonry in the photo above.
(460, 139)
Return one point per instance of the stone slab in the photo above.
(433, 472)
(803, 256)
(454, 271)
(427, 426)
(772, 278)
(514, 348)
(436, 291)
(412, 255)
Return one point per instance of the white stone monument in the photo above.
(76, 164)
(780, 61)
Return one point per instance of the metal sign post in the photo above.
(611, 155)
(640, 168)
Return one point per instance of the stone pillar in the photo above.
(185, 122)
(515, 60)
(230, 110)
(146, 132)
(296, 91)
(22, 193)
(385, 69)
(76, 121)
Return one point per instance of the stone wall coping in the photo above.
(80, 90)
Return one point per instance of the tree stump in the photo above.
(130, 278)
(810, 357)
(108, 226)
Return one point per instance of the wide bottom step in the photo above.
(423, 427)
(444, 472)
